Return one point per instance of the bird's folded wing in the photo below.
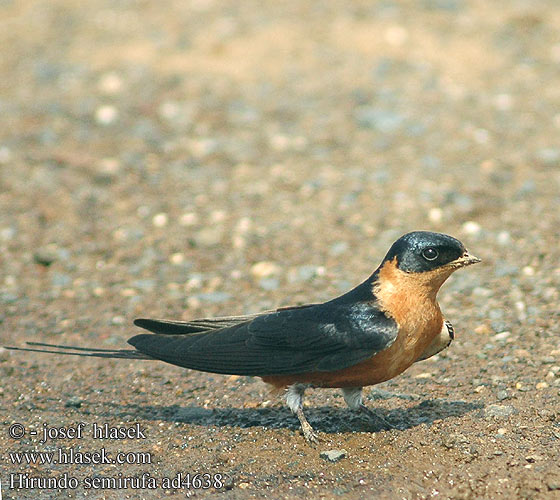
(174, 327)
(322, 337)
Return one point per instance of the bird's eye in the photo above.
(430, 253)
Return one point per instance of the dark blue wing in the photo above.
(323, 337)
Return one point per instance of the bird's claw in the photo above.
(310, 435)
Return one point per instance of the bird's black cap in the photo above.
(422, 251)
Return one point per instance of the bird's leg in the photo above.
(294, 400)
(353, 398)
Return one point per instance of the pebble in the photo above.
(483, 330)
(160, 220)
(269, 283)
(110, 83)
(396, 35)
(502, 335)
(118, 320)
(471, 228)
(7, 233)
(338, 248)
(499, 411)
(106, 115)
(549, 156)
(45, 256)
(503, 238)
(5, 155)
(209, 236)
(379, 119)
(109, 166)
(188, 219)
(528, 271)
(333, 455)
(177, 258)
(435, 215)
(73, 403)
(541, 385)
(265, 269)
(503, 102)
(502, 395)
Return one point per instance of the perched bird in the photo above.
(366, 336)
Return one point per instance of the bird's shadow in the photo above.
(323, 419)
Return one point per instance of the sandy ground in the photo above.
(196, 158)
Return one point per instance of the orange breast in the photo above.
(410, 300)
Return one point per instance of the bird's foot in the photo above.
(311, 436)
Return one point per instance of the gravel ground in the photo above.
(196, 158)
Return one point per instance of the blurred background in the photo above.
(152, 153)
(197, 158)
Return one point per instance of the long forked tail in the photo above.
(70, 350)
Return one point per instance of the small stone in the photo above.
(209, 236)
(549, 156)
(502, 335)
(541, 385)
(243, 486)
(333, 455)
(503, 102)
(177, 258)
(503, 238)
(109, 166)
(435, 215)
(269, 284)
(45, 256)
(499, 411)
(118, 320)
(396, 35)
(5, 155)
(483, 330)
(423, 375)
(160, 220)
(481, 135)
(471, 228)
(110, 83)
(264, 269)
(188, 219)
(502, 431)
(7, 233)
(106, 115)
(528, 271)
(502, 395)
(553, 485)
(73, 403)
(338, 248)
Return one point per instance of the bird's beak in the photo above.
(465, 260)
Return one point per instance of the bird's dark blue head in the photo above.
(422, 251)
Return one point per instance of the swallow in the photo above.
(366, 336)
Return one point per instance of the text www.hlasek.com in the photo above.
(72, 456)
